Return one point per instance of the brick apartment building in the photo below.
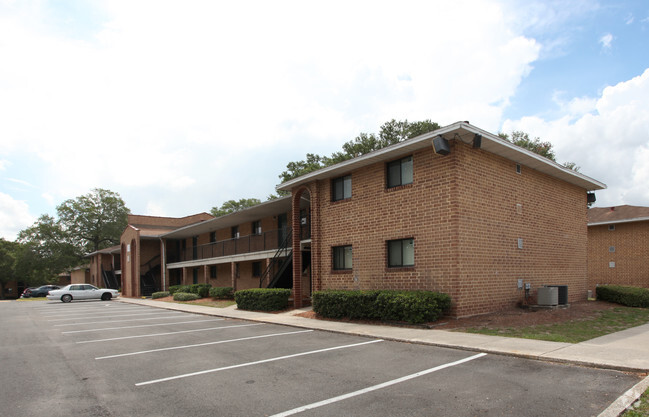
(142, 251)
(457, 210)
(618, 246)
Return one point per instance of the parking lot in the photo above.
(114, 359)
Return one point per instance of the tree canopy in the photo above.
(8, 253)
(232, 206)
(389, 133)
(85, 224)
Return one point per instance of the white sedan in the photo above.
(82, 292)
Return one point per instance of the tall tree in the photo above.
(389, 133)
(95, 220)
(232, 206)
(7, 264)
(45, 251)
(535, 145)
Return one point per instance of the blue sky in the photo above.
(180, 106)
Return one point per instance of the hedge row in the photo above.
(223, 293)
(409, 306)
(185, 296)
(628, 296)
(202, 290)
(160, 294)
(262, 299)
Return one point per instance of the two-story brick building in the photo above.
(457, 210)
(618, 246)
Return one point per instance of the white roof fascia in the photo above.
(490, 142)
(637, 219)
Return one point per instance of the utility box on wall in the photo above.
(547, 296)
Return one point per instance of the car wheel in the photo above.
(106, 296)
(66, 298)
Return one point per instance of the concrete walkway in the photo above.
(627, 350)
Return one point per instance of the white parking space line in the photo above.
(170, 333)
(98, 311)
(203, 344)
(375, 387)
(176, 315)
(279, 358)
(139, 325)
(112, 316)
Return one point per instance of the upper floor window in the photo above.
(341, 188)
(234, 232)
(401, 252)
(256, 227)
(399, 172)
(342, 257)
(212, 237)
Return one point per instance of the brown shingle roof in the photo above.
(617, 214)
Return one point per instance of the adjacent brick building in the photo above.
(618, 246)
(142, 251)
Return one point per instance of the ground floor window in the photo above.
(213, 271)
(401, 252)
(256, 269)
(342, 257)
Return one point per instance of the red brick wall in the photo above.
(631, 256)
(131, 285)
(497, 206)
(462, 212)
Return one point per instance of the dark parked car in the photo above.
(42, 291)
(27, 293)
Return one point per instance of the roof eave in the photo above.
(490, 142)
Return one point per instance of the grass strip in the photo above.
(574, 331)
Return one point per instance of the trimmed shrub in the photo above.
(262, 299)
(628, 296)
(409, 306)
(340, 303)
(160, 294)
(222, 293)
(178, 288)
(202, 290)
(185, 296)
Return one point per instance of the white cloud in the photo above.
(606, 40)
(610, 144)
(14, 217)
(184, 97)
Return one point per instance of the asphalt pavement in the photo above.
(625, 351)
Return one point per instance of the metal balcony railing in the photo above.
(246, 244)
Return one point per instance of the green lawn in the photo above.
(575, 331)
(640, 409)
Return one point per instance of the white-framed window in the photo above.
(611, 227)
(341, 188)
(400, 172)
(401, 253)
(342, 257)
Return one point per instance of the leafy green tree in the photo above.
(45, 251)
(7, 264)
(572, 165)
(95, 220)
(535, 145)
(232, 206)
(390, 133)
